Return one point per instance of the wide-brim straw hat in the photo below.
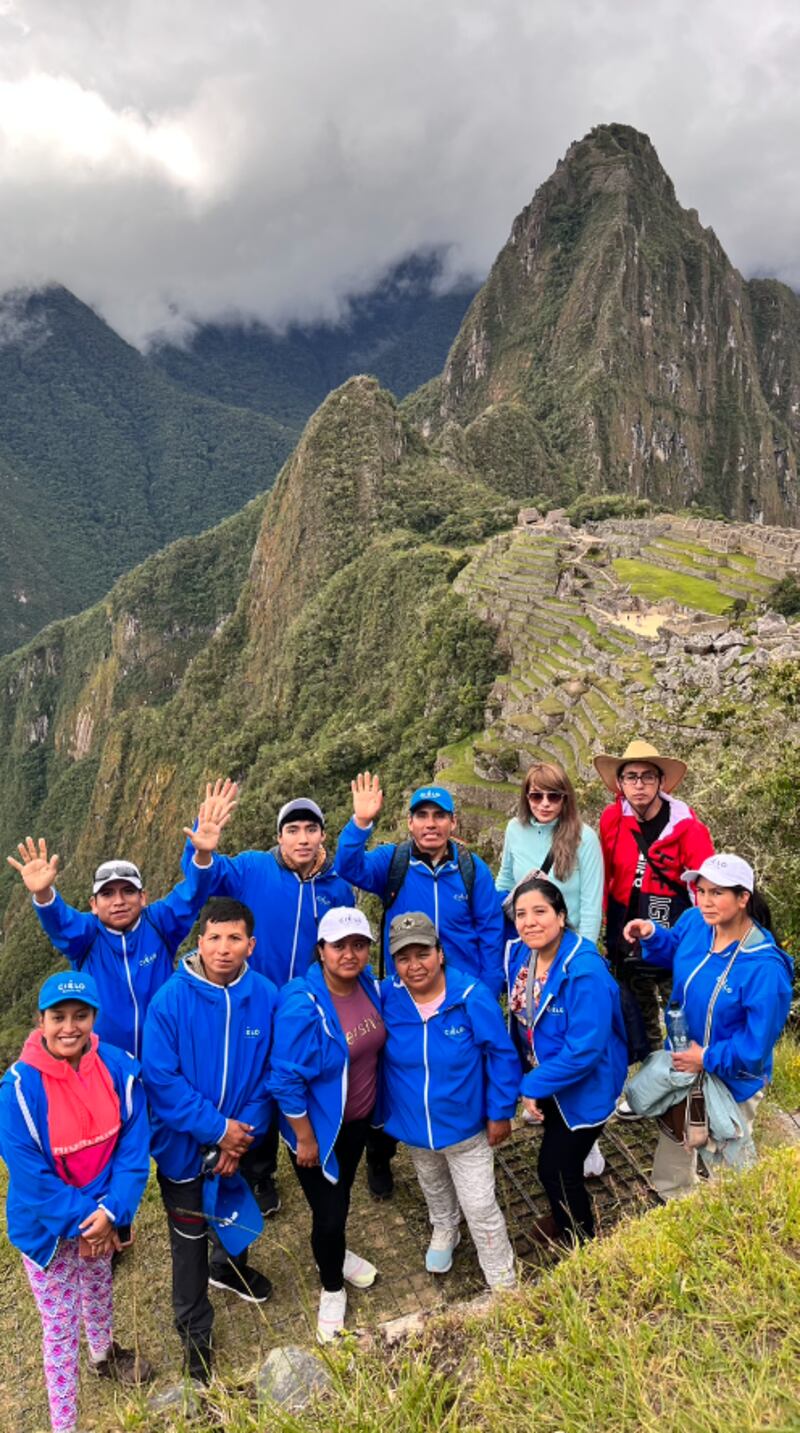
(607, 766)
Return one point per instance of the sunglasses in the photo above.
(537, 797)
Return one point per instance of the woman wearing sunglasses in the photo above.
(547, 837)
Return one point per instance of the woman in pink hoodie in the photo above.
(74, 1134)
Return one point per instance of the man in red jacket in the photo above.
(649, 838)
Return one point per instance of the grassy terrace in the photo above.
(659, 583)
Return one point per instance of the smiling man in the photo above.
(432, 874)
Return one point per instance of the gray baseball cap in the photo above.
(413, 928)
(301, 806)
(117, 871)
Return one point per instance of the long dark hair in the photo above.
(540, 886)
(757, 907)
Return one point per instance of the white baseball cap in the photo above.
(724, 869)
(341, 921)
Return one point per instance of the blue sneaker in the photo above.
(439, 1258)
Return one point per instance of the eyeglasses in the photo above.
(640, 778)
(537, 797)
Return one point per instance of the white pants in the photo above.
(675, 1166)
(461, 1178)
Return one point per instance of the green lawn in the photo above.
(659, 583)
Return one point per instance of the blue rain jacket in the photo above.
(205, 1061)
(472, 933)
(128, 966)
(41, 1207)
(444, 1077)
(578, 1034)
(286, 908)
(310, 1064)
(751, 1009)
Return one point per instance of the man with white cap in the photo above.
(288, 889)
(649, 837)
(125, 944)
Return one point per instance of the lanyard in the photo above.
(718, 987)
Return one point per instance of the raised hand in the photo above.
(215, 813)
(37, 870)
(367, 798)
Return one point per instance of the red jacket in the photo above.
(682, 846)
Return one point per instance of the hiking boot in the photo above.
(439, 1258)
(245, 1282)
(380, 1179)
(123, 1365)
(267, 1197)
(357, 1271)
(330, 1319)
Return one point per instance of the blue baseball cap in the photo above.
(68, 985)
(435, 795)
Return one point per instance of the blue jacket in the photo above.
(751, 1009)
(41, 1207)
(578, 1033)
(311, 1063)
(472, 933)
(443, 1078)
(205, 1061)
(287, 909)
(129, 966)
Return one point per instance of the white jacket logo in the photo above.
(148, 959)
(453, 1030)
(252, 1034)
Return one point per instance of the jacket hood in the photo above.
(191, 969)
(762, 945)
(323, 869)
(35, 1053)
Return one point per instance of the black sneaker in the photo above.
(267, 1197)
(124, 1365)
(380, 1180)
(198, 1361)
(246, 1283)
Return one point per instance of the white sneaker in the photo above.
(439, 1258)
(594, 1163)
(330, 1319)
(357, 1271)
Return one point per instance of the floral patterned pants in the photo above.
(69, 1290)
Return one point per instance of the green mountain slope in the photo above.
(615, 347)
(103, 460)
(400, 333)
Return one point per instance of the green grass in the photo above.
(785, 1088)
(659, 583)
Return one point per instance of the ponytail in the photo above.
(757, 907)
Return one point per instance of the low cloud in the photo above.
(173, 164)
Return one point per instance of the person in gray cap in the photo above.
(288, 889)
(125, 944)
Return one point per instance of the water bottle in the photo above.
(677, 1028)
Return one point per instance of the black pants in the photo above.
(646, 986)
(330, 1203)
(561, 1159)
(381, 1148)
(189, 1236)
(261, 1160)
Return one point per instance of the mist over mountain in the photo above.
(107, 454)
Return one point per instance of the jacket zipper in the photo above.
(296, 924)
(133, 998)
(427, 1081)
(436, 903)
(227, 1044)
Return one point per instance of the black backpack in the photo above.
(398, 870)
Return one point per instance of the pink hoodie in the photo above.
(83, 1117)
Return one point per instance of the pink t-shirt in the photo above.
(365, 1034)
(427, 1008)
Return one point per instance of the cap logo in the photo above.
(71, 985)
(407, 923)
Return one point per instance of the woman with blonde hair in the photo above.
(547, 837)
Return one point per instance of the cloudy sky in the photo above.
(173, 161)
